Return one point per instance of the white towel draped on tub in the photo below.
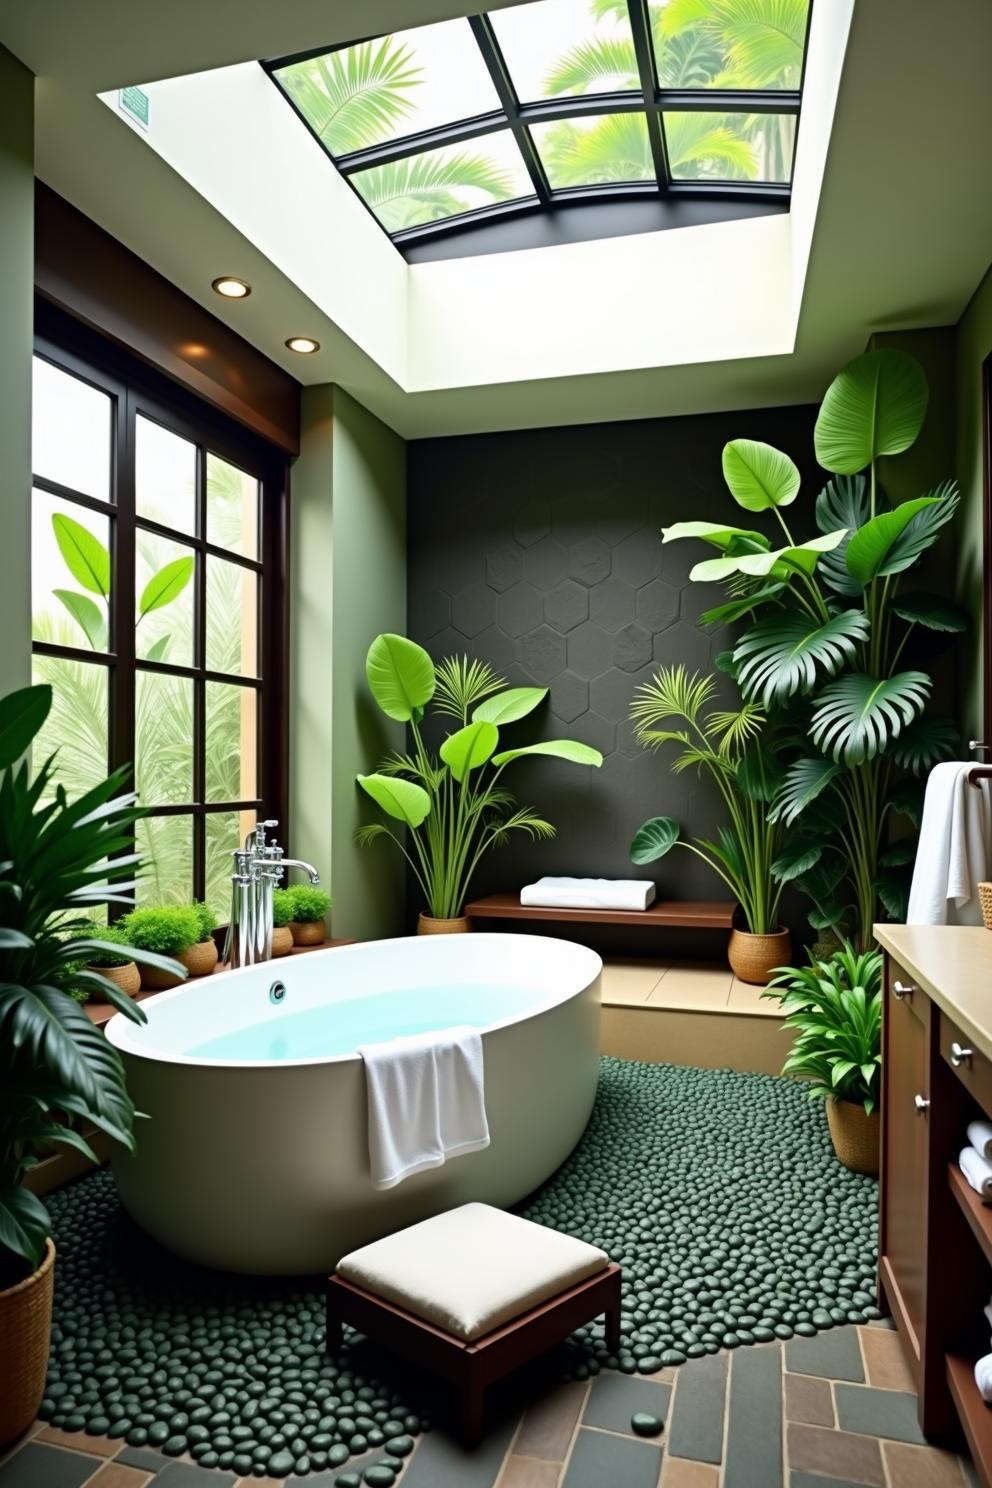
(953, 854)
(978, 1171)
(426, 1102)
(589, 893)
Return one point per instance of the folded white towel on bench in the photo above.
(589, 893)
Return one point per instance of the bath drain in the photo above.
(277, 991)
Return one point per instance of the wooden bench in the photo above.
(663, 914)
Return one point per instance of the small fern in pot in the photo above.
(835, 1008)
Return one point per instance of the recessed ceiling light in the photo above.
(231, 288)
(305, 345)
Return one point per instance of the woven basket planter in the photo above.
(855, 1135)
(308, 932)
(429, 925)
(153, 980)
(985, 900)
(282, 940)
(25, 1329)
(200, 959)
(753, 958)
(128, 978)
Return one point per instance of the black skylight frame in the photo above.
(650, 100)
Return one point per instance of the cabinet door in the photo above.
(904, 1172)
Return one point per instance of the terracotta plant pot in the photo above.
(128, 978)
(153, 980)
(200, 959)
(753, 958)
(282, 940)
(855, 1136)
(25, 1330)
(429, 925)
(308, 932)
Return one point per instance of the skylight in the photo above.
(556, 103)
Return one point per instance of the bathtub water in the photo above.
(254, 1156)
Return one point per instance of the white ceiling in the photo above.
(903, 234)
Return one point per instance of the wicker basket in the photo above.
(985, 900)
(25, 1329)
(282, 940)
(308, 932)
(429, 925)
(153, 980)
(128, 978)
(753, 958)
(855, 1135)
(201, 958)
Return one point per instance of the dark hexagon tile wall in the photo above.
(540, 552)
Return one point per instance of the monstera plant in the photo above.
(452, 802)
(831, 625)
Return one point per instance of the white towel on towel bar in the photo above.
(426, 1101)
(978, 1171)
(980, 1137)
(953, 853)
(589, 893)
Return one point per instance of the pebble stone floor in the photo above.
(747, 1250)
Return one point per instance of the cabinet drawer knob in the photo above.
(959, 1055)
(922, 1103)
(902, 989)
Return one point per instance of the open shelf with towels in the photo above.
(978, 1215)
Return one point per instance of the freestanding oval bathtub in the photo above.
(255, 1154)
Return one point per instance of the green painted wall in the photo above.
(973, 344)
(348, 582)
(16, 318)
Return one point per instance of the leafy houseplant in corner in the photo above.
(453, 804)
(282, 914)
(309, 908)
(202, 957)
(169, 931)
(58, 859)
(741, 757)
(835, 1006)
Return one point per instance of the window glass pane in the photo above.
(164, 587)
(232, 508)
(730, 147)
(164, 476)
(76, 726)
(226, 831)
(71, 431)
(595, 150)
(445, 182)
(70, 573)
(232, 618)
(166, 847)
(231, 742)
(564, 47)
(163, 739)
(393, 86)
(730, 46)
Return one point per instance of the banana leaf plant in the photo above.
(58, 860)
(452, 803)
(829, 626)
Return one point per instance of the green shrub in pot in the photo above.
(170, 930)
(282, 915)
(206, 919)
(309, 906)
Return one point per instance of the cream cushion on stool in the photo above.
(472, 1269)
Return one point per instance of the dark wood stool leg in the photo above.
(473, 1405)
(334, 1334)
(613, 1318)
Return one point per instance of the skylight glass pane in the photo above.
(595, 150)
(730, 147)
(442, 183)
(729, 46)
(566, 47)
(393, 86)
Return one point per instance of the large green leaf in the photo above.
(758, 475)
(759, 772)
(921, 532)
(906, 799)
(87, 614)
(85, 556)
(870, 551)
(797, 858)
(931, 611)
(469, 748)
(780, 563)
(654, 840)
(165, 586)
(874, 406)
(736, 609)
(843, 502)
(786, 652)
(804, 781)
(718, 534)
(24, 1224)
(566, 749)
(400, 675)
(508, 706)
(400, 799)
(857, 717)
(926, 743)
(22, 714)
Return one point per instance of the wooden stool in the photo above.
(471, 1295)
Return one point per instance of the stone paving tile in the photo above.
(79, 1441)
(145, 1457)
(839, 1454)
(921, 1467)
(188, 1475)
(599, 1458)
(528, 1472)
(814, 1480)
(834, 1355)
(754, 1420)
(114, 1475)
(549, 1425)
(696, 1426)
(878, 1413)
(809, 1399)
(41, 1466)
(678, 1472)
(442, 1462)
(885, 1359)
(614, 1398)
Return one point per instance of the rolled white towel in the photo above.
(983, 1378)
(978, 1171)
(980, 1137)
(987, 1309)
(589, 893)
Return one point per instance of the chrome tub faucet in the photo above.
(258, 868)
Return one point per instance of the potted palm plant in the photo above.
(58, 858)
(835, 1006)
(741, 757)
(453, 803)
(168, 931)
